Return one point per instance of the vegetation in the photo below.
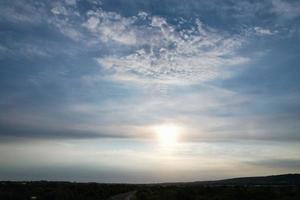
(283, 187)
(196, 192)
(60, 190)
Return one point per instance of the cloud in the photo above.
(278, 163)
(162, 52)
(28, 133)
(285, 9)
(22, 12)
(145, 47)
(111, 26)
(263, 31)
(59, 10)
(71, 2)
(42, 127)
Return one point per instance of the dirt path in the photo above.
(124, 196)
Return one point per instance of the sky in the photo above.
(143, 91)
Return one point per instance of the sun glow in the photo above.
(167, 134)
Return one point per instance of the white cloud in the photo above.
(59, 10)
(263, 31)
(158, 22)
(110, 26)
(161, 51)
(92, 23)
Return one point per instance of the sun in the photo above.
(167, 134)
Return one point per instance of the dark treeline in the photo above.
(60, 190)
(94, 191)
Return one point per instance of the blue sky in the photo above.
(85, 84)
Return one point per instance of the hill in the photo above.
(284, 179)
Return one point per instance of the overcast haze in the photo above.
(149, 91)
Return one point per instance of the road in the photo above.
(124, 196)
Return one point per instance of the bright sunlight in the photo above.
(167, 134)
